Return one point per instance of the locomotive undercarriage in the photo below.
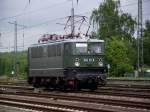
(74, 79)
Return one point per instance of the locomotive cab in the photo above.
(84, 61)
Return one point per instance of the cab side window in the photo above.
(36, 52)
(58, 50)
(52, 51)
(67, 49)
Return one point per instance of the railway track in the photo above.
(109, 100)
(107, 87)
(103, 99)
(17, 83)
(139, 84)
(103, 96)
(133, 89)
(123, 93)
(128, 92)
(42, 105)
(53, 102)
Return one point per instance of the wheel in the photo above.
(30, 80)
(92, 88)
(78, 86)
(93, 85)
(36, 82)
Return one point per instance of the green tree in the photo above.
(111, 22)
(7, 61)
(146, 43)
(117, 56)
(105, 18)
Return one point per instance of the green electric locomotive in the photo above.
(67, 63)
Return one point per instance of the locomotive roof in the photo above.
(66, 41)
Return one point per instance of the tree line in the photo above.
(7, 63)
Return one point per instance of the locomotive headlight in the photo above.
(77, 64)
(77, 59)
(100, 64)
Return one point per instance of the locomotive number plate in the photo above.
(88, 59)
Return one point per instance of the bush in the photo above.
(117, 57)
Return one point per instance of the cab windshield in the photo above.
(81, 48)
(94, 48)
(88, 48)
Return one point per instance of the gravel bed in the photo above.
(122, 98)
(4, 108)
(130, 82)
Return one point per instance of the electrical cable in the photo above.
(33, 11)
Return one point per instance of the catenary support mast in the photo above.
(139, 37)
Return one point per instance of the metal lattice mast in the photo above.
(72, 20)
(15, 45)
(141, 33)
(15, 48)
(139, 37)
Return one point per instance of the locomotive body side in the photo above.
(45, 64)
(67, 64)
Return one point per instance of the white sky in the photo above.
(45, 12)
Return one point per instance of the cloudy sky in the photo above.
(41, 16)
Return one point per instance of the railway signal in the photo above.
(15, 45)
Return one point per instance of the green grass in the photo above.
(13, 79)
(129, 78)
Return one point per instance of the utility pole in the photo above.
(139, 37)
(0, 40)
(23, 38)
(15, 46)
(71, 21)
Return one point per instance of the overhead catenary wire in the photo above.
(30, 12)
(33, 11)
(52, 20)
(36, 25)
(21, 47)
(43, 23)
(61, 3)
